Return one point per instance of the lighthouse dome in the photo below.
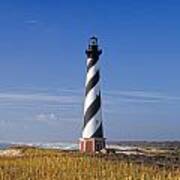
(93, 41)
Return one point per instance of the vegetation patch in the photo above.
(44, 164)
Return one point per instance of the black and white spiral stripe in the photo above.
(92, 105)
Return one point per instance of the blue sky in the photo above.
(42, 68)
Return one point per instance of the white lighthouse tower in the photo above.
(92, 135)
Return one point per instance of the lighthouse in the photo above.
(92, 134)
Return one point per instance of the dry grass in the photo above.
(37, 164)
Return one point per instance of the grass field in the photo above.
(40, 164)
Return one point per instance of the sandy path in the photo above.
(10, 153)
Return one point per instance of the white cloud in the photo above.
(47, 117)
(74, 98)
(31, 21)
(60, 111)
(37, 100)
(141, 96)
(38, 97)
